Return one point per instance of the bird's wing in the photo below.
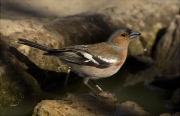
(98, 55)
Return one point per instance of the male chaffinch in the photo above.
(93, 61)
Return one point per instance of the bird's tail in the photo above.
(35, 45)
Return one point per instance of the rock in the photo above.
(28, 65)
(177, 114)
(166, 59)
(76, 104)
(167, 50)
(138, 15)
(15, 84)
(87, 105)
(130, 108)
(132, 14)
(165, 114)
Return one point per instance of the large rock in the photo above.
(141, 15)
(27, 65)
(87, 105)
(167, 114)
(166, 60)
(167, 50)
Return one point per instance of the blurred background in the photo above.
(149, 77)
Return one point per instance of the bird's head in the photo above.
(122, 37)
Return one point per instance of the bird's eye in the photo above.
(123, 34)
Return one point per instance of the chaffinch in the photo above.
(93, 61)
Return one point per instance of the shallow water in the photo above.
(150, 100)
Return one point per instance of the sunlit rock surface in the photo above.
(91, 104)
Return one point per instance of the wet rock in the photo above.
(87, 105)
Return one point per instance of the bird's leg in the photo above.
(86, 83)
(99, 88)
(67, 76)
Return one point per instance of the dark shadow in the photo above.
(47, 79)
(135, 64)
(98, 30)
(167, 82)
(160, 33)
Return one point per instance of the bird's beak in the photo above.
(134, 34)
